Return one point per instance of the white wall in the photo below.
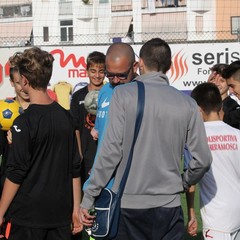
(205, 8)
(45, 14)
(191, 63)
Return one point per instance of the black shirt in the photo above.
(84, 122)
(3, 156)
(43, 159)
(231, 111)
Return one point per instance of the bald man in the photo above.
(150, 205)
(121, 68)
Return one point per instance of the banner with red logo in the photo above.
(190, 64)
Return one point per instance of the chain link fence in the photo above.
(176, 21)
(106, 39)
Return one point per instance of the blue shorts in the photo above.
(153, 224)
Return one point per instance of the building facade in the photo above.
(16, 22)
(86, 22)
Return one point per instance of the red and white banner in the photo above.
(190, 63)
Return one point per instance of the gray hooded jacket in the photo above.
(171, 120)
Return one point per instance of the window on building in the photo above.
(199, 24)
(66, 30)
(235, 25)
(121, 5)
(11, 11)
(45, 34)
(103, 1)
(144, 3)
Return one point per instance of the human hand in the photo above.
(85, 218)
(77, 227)
(9, 136)
(212, 77)
(192, 227)
(94, 134)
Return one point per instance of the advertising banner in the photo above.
(190, 64)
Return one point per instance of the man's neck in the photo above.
(213, 116)
(24, 104)
(39, 97)
(224, 95)
(93, 87)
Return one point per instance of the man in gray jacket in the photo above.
(150, 206)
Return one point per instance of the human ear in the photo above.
(11, 82)
(141, 66)
(24, 80)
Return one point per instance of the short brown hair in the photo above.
(36, 65)
(95, 58)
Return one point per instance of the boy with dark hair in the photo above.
(208, 98)
(230, 108)
(220, 185)
(232, 74)
(41, 193)
(82, 119)
(232, 71)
